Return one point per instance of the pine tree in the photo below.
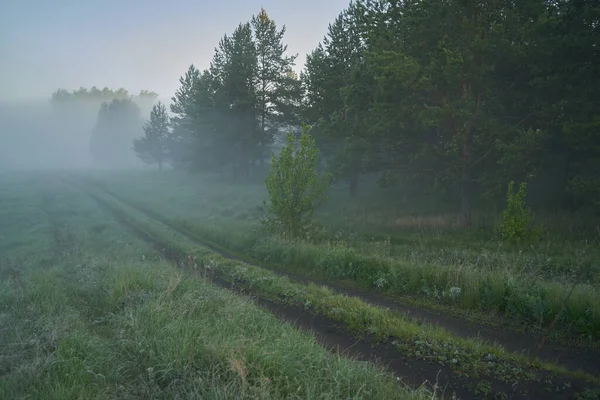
(180, 142)
(233, 69)
(275, 85)
(151, 148)
(329, 75)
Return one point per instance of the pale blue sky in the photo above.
(136, 44)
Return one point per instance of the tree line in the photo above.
(118, 120)
(225, 117)
(453, 96)
(463, 96)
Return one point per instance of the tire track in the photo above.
(328, 333)
(333, 335)
(574, 358)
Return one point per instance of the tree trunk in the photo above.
(405, 189)
(466, 197)
(466, 178)
(353, 184)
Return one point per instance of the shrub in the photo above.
(294, 186)
(516, 225)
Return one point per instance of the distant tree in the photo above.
(146, 100)
(226, 115)
(96, 95)
(147, 93)
(151, 148)
(119, 122)
(181, 141)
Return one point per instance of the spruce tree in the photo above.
(151, 148)
(274, 82)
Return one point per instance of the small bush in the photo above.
(516, 225)
(294, 186)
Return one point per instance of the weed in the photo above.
(295, 188)
(517, 218)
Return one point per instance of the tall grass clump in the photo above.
(512, 295)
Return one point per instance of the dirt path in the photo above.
(334, 336)
(574, 358)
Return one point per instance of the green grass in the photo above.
(89, 311)
(464, 356)
(553, 282)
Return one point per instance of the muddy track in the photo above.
(330, 333)
(333, 335)
(573, 358)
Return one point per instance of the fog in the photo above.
(40, 135)
(68, 45)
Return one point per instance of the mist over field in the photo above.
(40, 135)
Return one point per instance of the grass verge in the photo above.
(570, 310)
(467, 358)
(96, 313)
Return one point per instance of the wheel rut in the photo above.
(331, 334)
(572, 357)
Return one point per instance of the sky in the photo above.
(136, 44)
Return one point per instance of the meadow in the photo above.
(88, 310)
(164, 285)
(409, 253)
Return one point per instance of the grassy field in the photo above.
(549, 286)
(136, 286)
(88, 310)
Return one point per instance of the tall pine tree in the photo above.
(274, 83)
(180, 142)
(151, 148)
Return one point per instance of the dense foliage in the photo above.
(93, 94)
(463, 95)
(516, 225)
(294, 186)
(226, 116)
(456, 97)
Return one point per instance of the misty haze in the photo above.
(374, 199)
(57, 134)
